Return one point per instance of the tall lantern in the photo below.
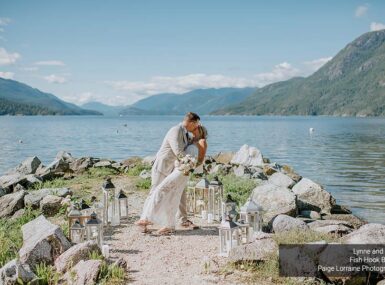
(215, 198)
(73, 216)
(123, 205)
(98, 208)
(228, 205)
(94, 228)
(190, 197)
(245, 232)
(77, 232)
(229, 236)
(110, 203)
(201, 197)
(251, 213)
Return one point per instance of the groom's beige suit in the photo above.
(174, 143)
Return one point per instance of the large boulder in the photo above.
(104, 163)
(10, 203)
(314, 215)
(42, 242)
(50, 205)
(66, 156)
(3, 191)
(81, 164)
(274, 200)
(224, 157)
(76, 253)
(9, 181)
(248, 156)
(281, 180)
(28, 166)
(282, 223)
(312, 196)
(84, 273)
(367, 234)
(33, 198)
(259, 250)
(355, 221)
(13, 272)
(331, 227)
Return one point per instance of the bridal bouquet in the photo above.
(186, 164)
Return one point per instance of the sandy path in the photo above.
(175, 259)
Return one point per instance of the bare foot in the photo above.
(143, 223)
(165, 231)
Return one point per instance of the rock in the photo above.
(74, 254)
(311, 196)
(28, 166)
(331, 227)
(149, 160)
(248, 156)
(218, 169)
(66, 156)
(18, 214)
(32, 179)
(282, 223)
(2, 191)
(259, 250)
(103, 163)
(58, 166)
(118, 166)
(241, 171)
(82, 164)
(84, 273)
(281, 179)
(268, 170)
(18, 187)
(355, 221)
(50, 205)
(382, 282)
(145, 174)
(224, 157)
(10, 203)
(295, 260)
(7, 182)
(42, 242)
(33, 198)
(367, 234)
(286, 169)
(310, 214)
(274, 200)
(338, 209)
(13, 271)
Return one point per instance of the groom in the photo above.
(174, 144)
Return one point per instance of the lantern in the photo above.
(251, 213)
(190, 197)
(110, 203)
(245, 232)
(73, 216)
(77, 232)
(233, 214)
(201, 196)
(215, 198)
(84, 205)
(98, 208)
(94, 229)
(229, 236)
(228, 205)
(123, 205)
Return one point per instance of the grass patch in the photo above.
(11, 238)
(109, 274)
(143, 184)
(301, 236)
(137, 169)
(47, 274)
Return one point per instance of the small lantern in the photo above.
(190, 197)
(228, 236)
(95, 229)
(228, 206)
(77, 232)
(73, 216)
(251, 213)
(245, 232)
(123, 205)
(233, 214)
(215, 198)
(201, 196)
(110, 203)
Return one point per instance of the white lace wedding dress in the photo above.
(163, 203)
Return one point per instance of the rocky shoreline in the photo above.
(290, 202)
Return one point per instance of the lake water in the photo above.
(346, 155)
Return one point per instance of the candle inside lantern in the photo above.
(231, 245)
(210, 218)
(106, 250)
(204, 215)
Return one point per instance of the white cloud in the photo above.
(55, 79)
(50, 63)
(8, 58)
(361, 11)
(33, 68)
(4, 21)
(376, 26)
(6, 74)
(135, 90)
(317, 63)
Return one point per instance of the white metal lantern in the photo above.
(245, 231)
(228, 205)
(215, 198)
(77, 232)
(190, 197)
(73, 216)
(123, 205)
(201, 197)
(251, 213)
(110, 203)
(98, 208)
(94, 229)
(229, 236)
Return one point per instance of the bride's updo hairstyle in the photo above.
(192, 117)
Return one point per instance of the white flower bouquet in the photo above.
(186, 164)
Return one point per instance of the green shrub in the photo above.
(137, 169)
(55, 183)
(112, 274)
(95, 255)
(143, 183)
(47, 274)
(100, 172)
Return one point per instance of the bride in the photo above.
(163, 203)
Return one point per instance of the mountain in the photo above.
(106, 110)
(351, 84)
(17, 98)
(201, 101)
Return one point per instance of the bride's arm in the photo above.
(202, 148)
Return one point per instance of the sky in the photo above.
(118, 52)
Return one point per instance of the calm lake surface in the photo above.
(346, 155)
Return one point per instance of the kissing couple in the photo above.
(183, 149)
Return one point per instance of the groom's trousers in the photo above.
(157, 178)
